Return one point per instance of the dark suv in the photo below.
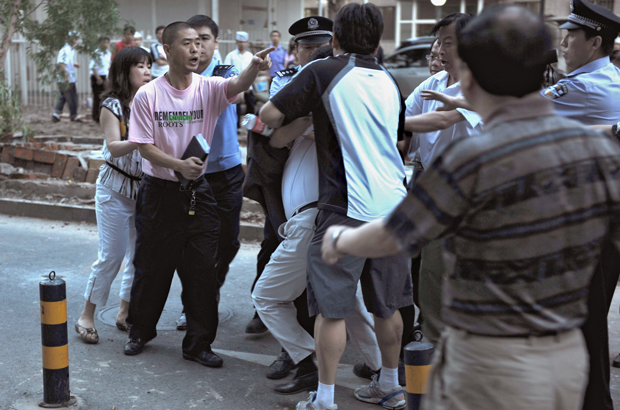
(408, 63)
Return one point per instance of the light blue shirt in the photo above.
(225, 152)
(589, 94)
(278, 82)
(278, 57)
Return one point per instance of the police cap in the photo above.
(587, 15)
(312, 30)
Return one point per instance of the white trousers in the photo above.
(117, 241)
(284, 279)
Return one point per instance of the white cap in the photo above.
(242, 36)
(137, 34)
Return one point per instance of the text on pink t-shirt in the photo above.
(168, 118)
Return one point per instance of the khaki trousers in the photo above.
(502, 373)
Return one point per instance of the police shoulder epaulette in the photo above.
(556, 91)
(225, 71)
(287, 73)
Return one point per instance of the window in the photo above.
(410, 57)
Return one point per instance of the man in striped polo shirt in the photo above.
(524, 207)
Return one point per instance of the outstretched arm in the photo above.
(449, 103)
(260, 62)
(433, 121)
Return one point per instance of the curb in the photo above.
(76, 213)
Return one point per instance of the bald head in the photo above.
(506, 49)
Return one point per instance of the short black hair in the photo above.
(459, 19)
(172, 29)
(103, 38)
(129, 29)
(200, 20)
(159, 28)
(322, 52)
(506, 49)
(607, 44)
(358, 28)
(275, 31)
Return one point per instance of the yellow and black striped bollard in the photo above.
(418, 356)
(53, 296)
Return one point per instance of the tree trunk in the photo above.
(8, 35)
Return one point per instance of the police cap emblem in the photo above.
(313, 24)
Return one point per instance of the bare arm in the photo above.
(63, 67)
(433, 121)
(110, 125)
(271, 116)
(97, 76)
(260, 62)
(191, 168)
(283, 136)
(449, 103)
(162, 61)
(371, 240)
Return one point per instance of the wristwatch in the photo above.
(336, 235)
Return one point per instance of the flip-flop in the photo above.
(122, 326)
(88, 335)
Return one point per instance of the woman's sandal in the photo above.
(88, 335)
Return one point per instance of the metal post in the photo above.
(418, 356)
(54, 341)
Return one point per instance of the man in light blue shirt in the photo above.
(278, 56)
(590, 94)
(224, 172)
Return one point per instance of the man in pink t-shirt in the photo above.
(177, 224)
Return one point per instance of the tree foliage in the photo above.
(91, 19)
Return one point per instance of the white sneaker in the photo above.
(309, 404)
(373, 393)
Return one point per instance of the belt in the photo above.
(120, 171)
(174, 184)
(305, 208)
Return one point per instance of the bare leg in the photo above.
(330, 339)
(123, 312)
(389, 333)
(87, 318)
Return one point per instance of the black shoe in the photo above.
(134, 347)
(182, 322)
(281, 367)
(362, 370)
(205, 358)
(616, 362)
(299, 384)
(256, 326)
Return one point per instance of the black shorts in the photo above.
(386, 282)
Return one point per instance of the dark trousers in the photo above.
(408, 312)
(595, 331)
(170, 239)
(250, 105)
(227, 190)
(68, 94)
(270, 242)
(97, 91)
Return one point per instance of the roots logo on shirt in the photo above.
(177, 119)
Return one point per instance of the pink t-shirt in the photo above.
(168, 118)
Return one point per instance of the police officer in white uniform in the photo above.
(590, 93)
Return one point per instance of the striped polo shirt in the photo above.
(524, 208)
(358, 115)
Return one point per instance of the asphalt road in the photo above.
(101, 376)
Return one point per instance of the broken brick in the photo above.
(59, 165)
(46, 157)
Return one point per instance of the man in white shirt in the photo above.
(241, 58)
(99, 67)
(435, 130)
(137, 40)
(160, 62)
(67, 78)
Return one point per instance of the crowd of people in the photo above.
(506, 236)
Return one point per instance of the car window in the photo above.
(415, 57)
